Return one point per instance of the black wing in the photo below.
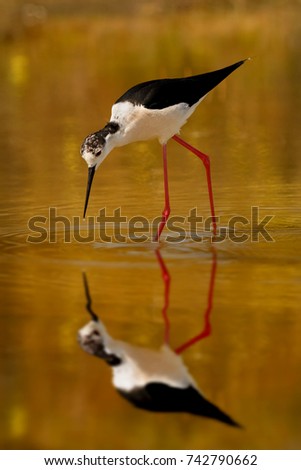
(159, 94)
(158, 397)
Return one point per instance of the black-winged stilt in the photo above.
(154, 109)
(154, 380)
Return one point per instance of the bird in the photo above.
(153, 380)
(155, 109)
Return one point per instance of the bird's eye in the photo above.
(97, 153)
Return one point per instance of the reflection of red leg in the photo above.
(166, 211)
(166, 279)
(207, 327)
(206, 161)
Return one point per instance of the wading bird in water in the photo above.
(154, 109)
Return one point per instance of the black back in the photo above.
(159, 94)
(158, 397)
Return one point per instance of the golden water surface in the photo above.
(59, 78)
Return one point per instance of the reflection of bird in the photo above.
(152, 380)
(149, 379)
(154, 109)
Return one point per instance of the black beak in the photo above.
(89, 300)
(91, 173)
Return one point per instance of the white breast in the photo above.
(139, 123)
(141, 366)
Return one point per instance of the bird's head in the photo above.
(94, 149)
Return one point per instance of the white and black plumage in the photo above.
(149, 110)
(154, 380)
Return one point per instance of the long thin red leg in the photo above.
(206, 161)
(207, 326)
(166, 211)
(166, 280)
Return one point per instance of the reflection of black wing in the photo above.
(160, 397)
(159, 94)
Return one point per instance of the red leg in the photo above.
(206, 161)
(166, 211)
(207, 326)
(166, 279)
